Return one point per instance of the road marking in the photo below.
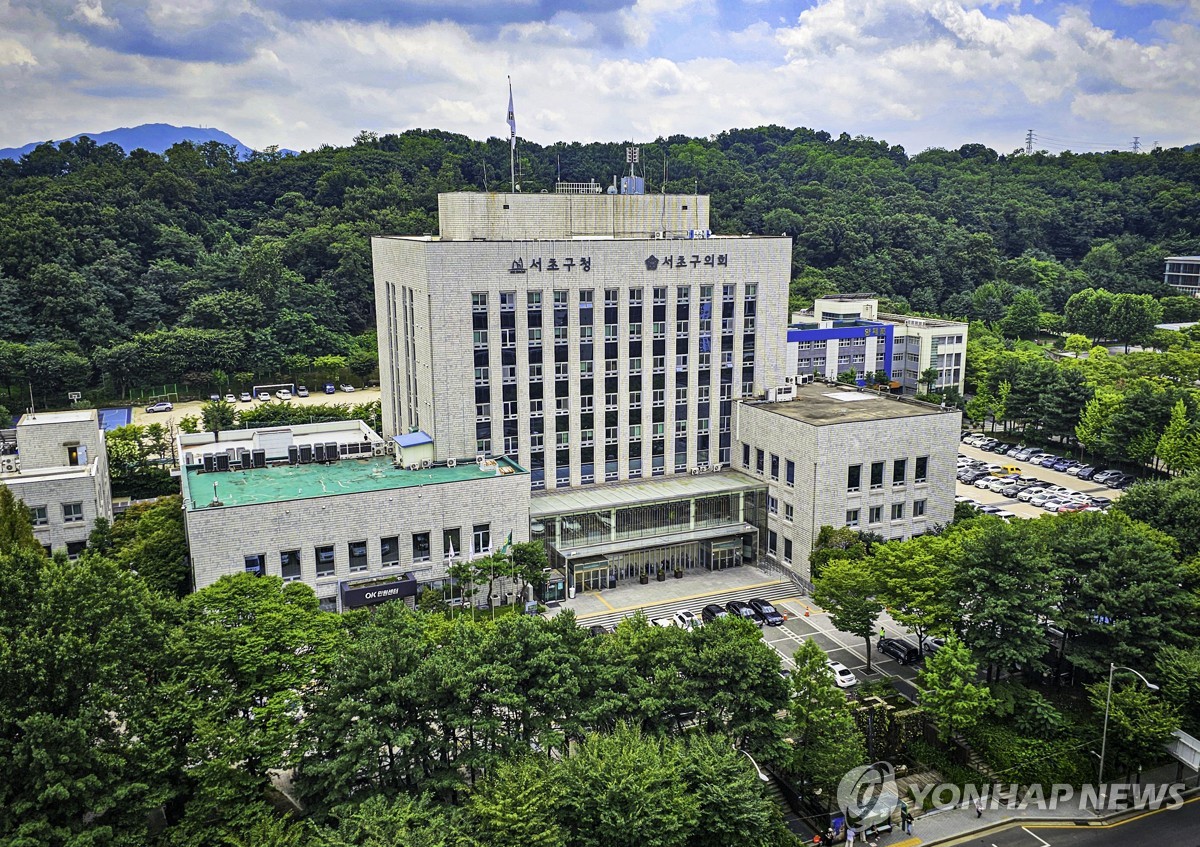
(1045, 843)
(600, 597)
(1115, 824)
(678, 600)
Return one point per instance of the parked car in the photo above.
(1086, 472)
(1074, 506)
(214, 398)
(160, 406)
(769, 614)
(973, 474)
(283, 394)
(930, 644)
(1042, 499)
(229, 398)
(1055, 504)
(899, 649)
(1029, 493)
(711, 612)
(1121, 480)
(1049, 461)
(245, 397)
(1062, 465)
(742, 609)
(1100, 502)
(1101, 476)
(329, 389)
(1075, 469)
(301, 391)
(842, 675)
(347, 387)
(686, 619)
(264, 396)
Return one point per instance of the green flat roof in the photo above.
(281, 483)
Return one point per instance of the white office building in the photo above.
(1183, 274)
(60, 471)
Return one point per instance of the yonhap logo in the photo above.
(867, 793)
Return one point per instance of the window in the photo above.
(358, 556)
(610, 401)
(563, 439)
(635, 431)
(635, 297)
(659, 430)
(289, 565)
(483, 412)
(481, 376)
(560, 333)
(479, 302)
(535, 335)
(681, 394)
(876, 475)
(899, 472)
(774, 466)
(790, 473)
(560, 298)
(562, 405)
(535, 373)
(875, 514)
(508, 301)
(659, 364)
(420, 547)
(610, 332)
(921, 471)
(256, 563)
(918, 508)
(389, 551)
(681, 328)
(585, 334)
(585, 299)
(759, 460)
(610, 297)
(682, 294)
(534, 298)
(481, 338)
(854, 478)
(635, 332)
(451, 543)
(658, 397)
(510, 408)
(745, 455)
(587, 403)
(773, 505)
(535, 408)
(772, 542)
(787, 551)
(481, 538)
(658, 330)
(660, 296)
(561, 370)
(852, 517)
(897, 511)
(72, 512)
(789, 512)
(39, 515)
(325, 565)
(635, 399)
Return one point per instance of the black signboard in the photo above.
(357, 596)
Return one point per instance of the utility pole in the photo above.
(1137, 145)
(1029, 143)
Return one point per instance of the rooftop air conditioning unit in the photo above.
(426, 464)
(694, 471)
(379, 449)
(702, 469)
(480, 458)
(789, 380)
(414, 466)
(660, 234)
(450, 463)
(8, 464)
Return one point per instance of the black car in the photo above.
(769, 614)
(1123, 480)
(711, 612)
(742, 609)
(970, 476)
(899, 649)
(1087, 472)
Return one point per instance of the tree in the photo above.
(393, 822)
(1172, 506)
(949, 692)
(518, 804)
(732, 807)
(848, 377)
(929, 378)
(1076, 343)
(847, 589)
(217, 415)
(911, 577)
(16, 525)
(1140, 724)
(1133, 317)
(1177, 670)
(826, 741)
(624, 789)
(529, 563)
(1022, 317)
(840, 543)
(1179, 446)
(80, 648)
(1087, 312)
(150, 539)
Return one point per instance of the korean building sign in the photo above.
(519, 266)
(718, 260)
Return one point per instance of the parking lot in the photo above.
(1051, 477)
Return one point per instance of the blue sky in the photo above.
(301, 73)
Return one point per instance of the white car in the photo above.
(283, 394)
(1042, 499)
(1028, 494)
(264, 396)
(684, 618)
(983, 482)
(229, 398)
(347, 387)
(842, 675)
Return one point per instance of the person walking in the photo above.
(978, 808)
(906, 821)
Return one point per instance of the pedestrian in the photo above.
(906, 821)
(850, 833)
(978, 808)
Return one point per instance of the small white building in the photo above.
(60, 471)
(1183, 274)
(834, 455)
(359, 519)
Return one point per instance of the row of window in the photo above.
(326, 560)
(585, 298)
(875, 513)
(764, 468)
(480, 338)
(854, 474)
(71, 513)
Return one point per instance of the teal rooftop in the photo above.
(279, 483)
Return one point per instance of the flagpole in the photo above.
(512, 140)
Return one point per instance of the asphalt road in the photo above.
(1167, 827)
(1045, 474)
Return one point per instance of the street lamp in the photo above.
(1112, 669)
(762, 775)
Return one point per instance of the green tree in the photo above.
(1177, 670)
(1140, 724)
(1133, 317)
(949, 692)
(732, 808)
(394, 822)
(848, 590)
(1076, 343)
(848, 377)
(1172, 506)
(1022, 316)
(840, 543)
(911, 576)
(218, 416)
(1179, 446)
(150, 539)
(1087, 312)
(16, 525)
(518, 805)
(826, 741)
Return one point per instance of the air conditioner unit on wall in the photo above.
(450, 463)
(380, 449)
(426, 464)
(414, 466)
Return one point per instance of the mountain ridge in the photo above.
(154, 137)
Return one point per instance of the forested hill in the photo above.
(143, 269)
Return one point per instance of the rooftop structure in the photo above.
(1183, 274)
(825, 404)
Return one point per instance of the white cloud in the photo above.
(91, 12)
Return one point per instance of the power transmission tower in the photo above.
(1029, 143)
(1137, 145)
